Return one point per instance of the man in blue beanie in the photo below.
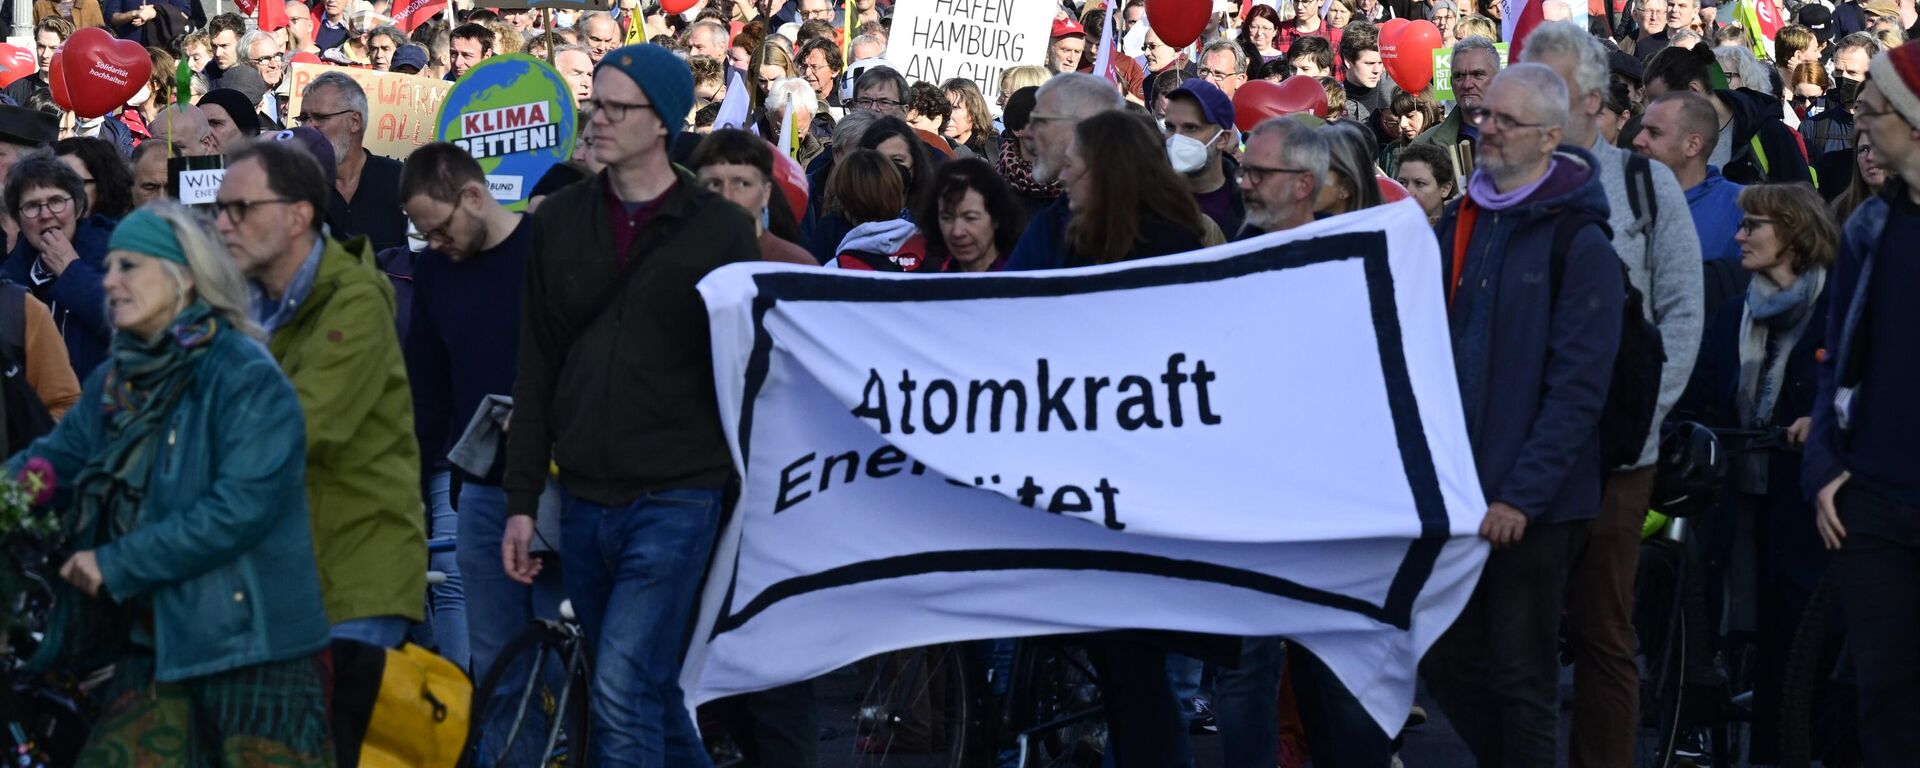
(614, 382)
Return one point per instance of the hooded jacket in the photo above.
(1779, 156)
(1534, 374)
(894, 245)
(341, 351)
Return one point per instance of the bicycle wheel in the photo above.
(1817, 705)
(530, 709)
(1657, 616)
(920, 701)
(1056, 713)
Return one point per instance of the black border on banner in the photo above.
(1370, 248)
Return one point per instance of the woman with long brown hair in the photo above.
(1130, 204)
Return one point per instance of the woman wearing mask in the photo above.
(739, 166)
(866, 188)
(898, 142)
(1427, 174)
(970, 221)
(193, 568)
(1758, 364)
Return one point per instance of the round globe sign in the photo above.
(515, 115)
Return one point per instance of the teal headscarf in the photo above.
(145, 232)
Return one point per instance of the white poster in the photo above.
(937, 40)
(1263, 438)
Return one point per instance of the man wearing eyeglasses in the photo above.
(820, 64)
(265, 55)
(365, 197)
(300, 29)
(1866, 430)
(460, 348)
(1534, 339)
(327, 312)
(1224, 64)
(615, 383)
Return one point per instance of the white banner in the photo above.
(1262, 438)
(936, 40)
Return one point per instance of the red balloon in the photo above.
(677, 6)
(1408, 54)
(792, 180)
(1390, 26)
(1390, 190)
(1178, 22)
(93, 74)
(15, 63)
(1260, 99)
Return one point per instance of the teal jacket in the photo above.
(221, 549)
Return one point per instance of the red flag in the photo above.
(1520, 19)
(246, 6)
(273, 15)
(408, 14)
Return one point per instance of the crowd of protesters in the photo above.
(251, 404)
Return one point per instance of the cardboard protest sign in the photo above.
(935, 40)
(196, 180)
(400, 108)
(515, 115)
(1443, 70)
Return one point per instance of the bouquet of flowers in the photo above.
(29, 535)
(23, 499)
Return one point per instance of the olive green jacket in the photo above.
(342, 353)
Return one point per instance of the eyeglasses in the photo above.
(1751, 223)
(274, 58)
(808, 69)
(440, 234)
(235, 211)
(52, 206)
(615, 111)
(1862, 114)
(877, 104)
(316, 118)
(1214, 75)
(822, 14)
(1257, 175)
(1478, 117)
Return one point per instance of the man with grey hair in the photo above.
(264, 53)
(365, 199)
(866, 47)
(1281, 173)
(707, 38)
(1534, 356)
(795, 94)
(1475, 62)
(1061, 104)
(575, 64)
(882, 90)
(382, 43)
(603, 34)
(1646, 207)
(1224, 63)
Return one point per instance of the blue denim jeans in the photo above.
(500, 609)
(1246, 703)
(632, 573)
(383, 631)
(447, 608)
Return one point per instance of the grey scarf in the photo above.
(1773, 320)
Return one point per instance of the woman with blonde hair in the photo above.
(771, 62)
(193, 570)
(1016, 78)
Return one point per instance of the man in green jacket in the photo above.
(329, 316)
(615, 385)
(1475, 62)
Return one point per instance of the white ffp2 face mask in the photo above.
(1188, 154)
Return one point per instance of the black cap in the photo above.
(1020, 107)
(32, 127)
(1625, 65)
(1819, 19)
(244, 114)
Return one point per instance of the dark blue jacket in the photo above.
(464, 340)
(1535, 382)
(1044, 244)
(1793, 546)
(78, 301)
(1780, 157)
(1870, 306)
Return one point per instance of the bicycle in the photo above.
(1047, 713)
(539, 686)
(1818, 717)
(45, 715)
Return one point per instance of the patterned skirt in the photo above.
(271, 714)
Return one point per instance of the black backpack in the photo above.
(1633, 394)
(27, 419)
